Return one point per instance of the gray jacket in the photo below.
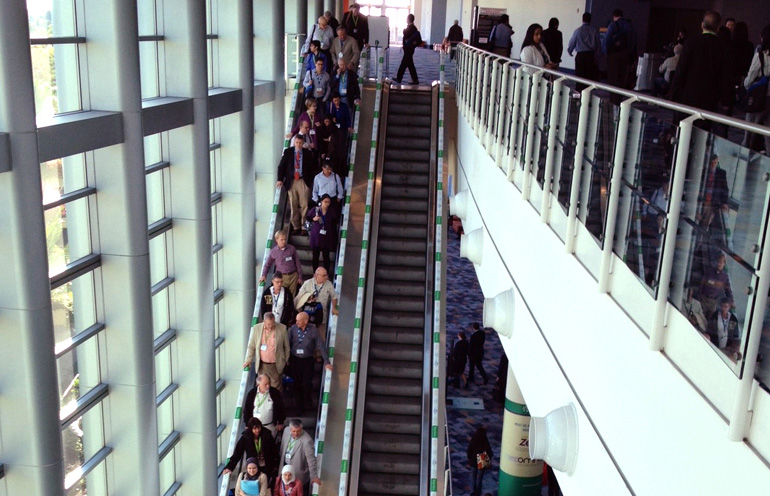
(302, 457)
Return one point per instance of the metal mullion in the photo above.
(220, 386)
(218, 342)
(76, 269)
(156, 167)
(212, 36)
(161, 285)
(166, 394)
(216, 248)
(159, 227)
(58, 40)
(173, 489)
(216, 197)
(168, 444)
(163, 340)
(81, 338)
(220, 429)
(70, 197)
(152, 37)
(218, 295)
(94, 461)
(85, 403)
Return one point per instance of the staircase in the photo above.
(392, 432)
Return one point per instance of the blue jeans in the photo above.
(477, 475)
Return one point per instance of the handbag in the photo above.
(482, 460)
(756, 94)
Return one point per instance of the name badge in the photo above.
(322, 231)
(263, 347)
(300, 351)
(355, 30)
(287, 459)
(288, 259)
(312, 132)
(340, 55)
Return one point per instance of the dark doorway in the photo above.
(665, 24)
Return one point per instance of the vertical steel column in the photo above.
(612, 205)
(513, 132)
(577, 168)
(190, 184)
(533, 100)
(672, 226)
(130, 411)
(549, 157)
(30, 431)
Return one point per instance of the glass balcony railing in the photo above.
(669, 190)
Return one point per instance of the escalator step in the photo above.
(391, 443)
(400, 335)
(411, 96)
(392, 273)
(410, 122)
(395, 390)
(385, 463)
(409, 109)
(392, 191)
(399, 319)
(406, 166)
(407, 143)
(394, 405)
(395, 368)
(388, 484)
(402, 218)
(411, 260)
(415, 155)
(411, 205)
(394, 424)
(396, 231)
(391, 351)
(385, 303)
(410, 132)
(403, 179)
(403, 245)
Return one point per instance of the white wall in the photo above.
(572, 344)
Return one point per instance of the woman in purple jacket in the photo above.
(323, 231)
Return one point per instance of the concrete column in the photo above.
(318, 11)
(236, 38)
(193, 295)
(270, 118)
(130, 412)
(519, 475)
(302, 19)
(29, 426)
(331, 6)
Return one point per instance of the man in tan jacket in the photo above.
(269, 349)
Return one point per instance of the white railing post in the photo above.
(549, 157)
(494, 94)
(533, 94)
(577, 167)
(505, 96)
(513, 131)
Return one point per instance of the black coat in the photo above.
(554, 44)
(288, 305)
(702, 79)
(358, 30)
(286, 168)
(279, 411)
(354, 91)
(412, 39)
(476, 345)
(459, 357)
(478, 444)
(246, 445)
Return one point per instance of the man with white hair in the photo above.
(321, 290)
(297, 451)
(305, 342)
(265, 403)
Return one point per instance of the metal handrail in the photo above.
(640, 97)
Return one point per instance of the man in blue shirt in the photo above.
(585, 41)
(620, 46)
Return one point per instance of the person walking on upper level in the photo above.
(553, 41)
(701, 79)
(500, 40)
(297, 451)
(453, 38)
(476, 353)
(760, 66)
(284, 257)
(268, 348)
(585, 41)
(619, 44)
(412, 39)
(532, 50)
(296, 172)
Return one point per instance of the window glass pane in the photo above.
(67, 234)
(217, 316)
(81, 440)
(94, 484)
(163, 369)
(153, 149)
(146, 13)
(74, 308)
(148, 66)
(51, 18)
(79, 372)
(160, 320)
(218, 268)
(166, 418)
(55, 76)
(63, 175)
(167, 471)
(155, 197)
(158, 260)
(215, 170)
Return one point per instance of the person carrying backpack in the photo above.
(412, 40)
(619, 45)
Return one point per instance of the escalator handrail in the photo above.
(245, 376)
(437, 351)
(355, 348)
(320, 433)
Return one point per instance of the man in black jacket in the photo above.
(476, 353)
(265, 403)
(357, 25)
(296, 172)
(701, 79)
(412, 40)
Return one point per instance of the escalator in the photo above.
(392, 423)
